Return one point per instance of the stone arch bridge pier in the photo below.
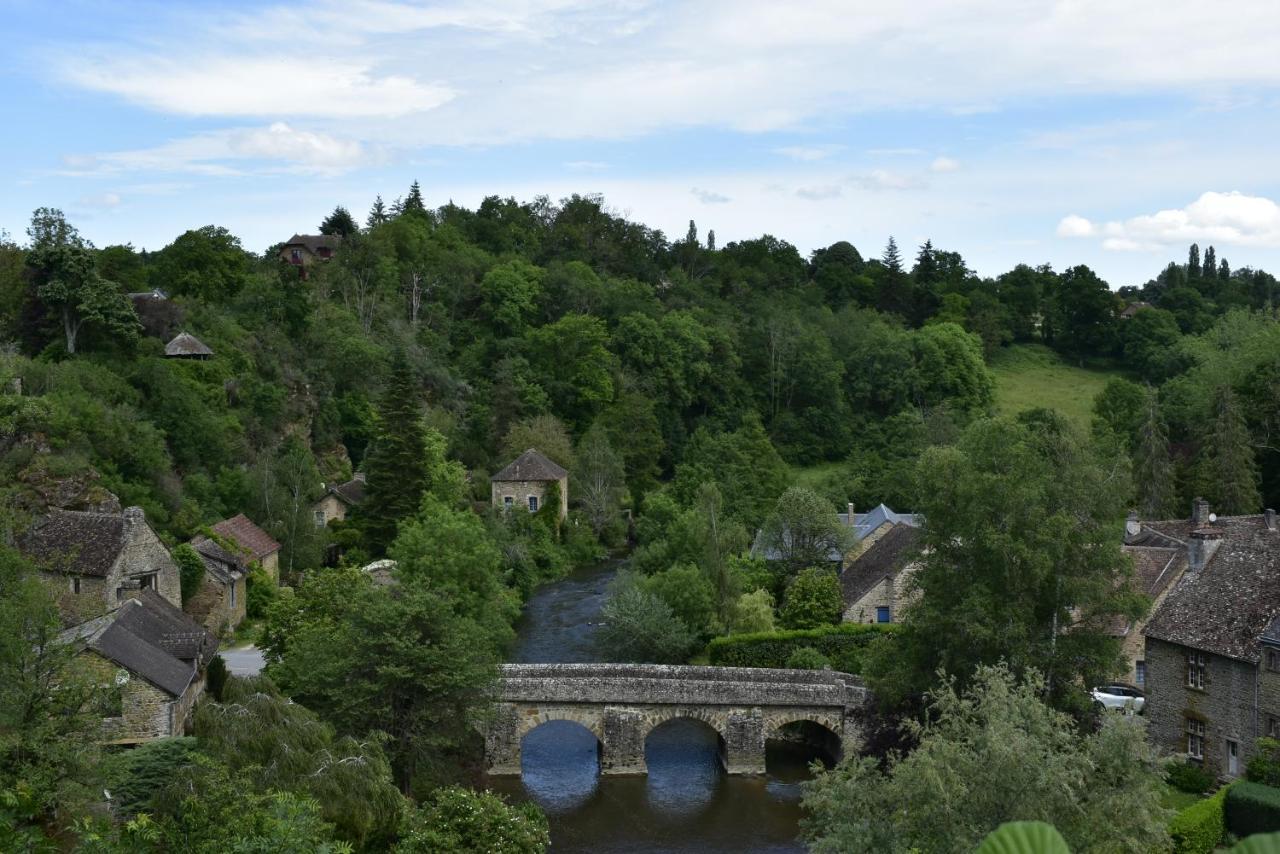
(622, 703)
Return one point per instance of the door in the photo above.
(1233, 758)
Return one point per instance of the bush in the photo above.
(216, 677)
(842, 645)
(812, 599)
(1199, 828)
(261, 593)
(1188, 777)
(807, 658)
(1252, 808)
(1264, 767)
(135, 776)
(640, 627)
(461, 820)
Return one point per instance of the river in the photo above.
(685, 804)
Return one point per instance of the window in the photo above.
(75, 584)
(1273, 660)
(1233, 758)
(533, 504)
(319, 517)
(295, 255)
(233, 595)
(1273, 726)
(147, 582)
(508, 502)
(1140, 672)
(1195, 738)
(119, 594)
(1195, 669)
(883, 615)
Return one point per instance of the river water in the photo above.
(685, 804)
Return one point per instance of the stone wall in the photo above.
(1226, 704)
(330, 508)
(520, 490)
(889, 593)
(271, 565)
(143, 554)
(211, 605)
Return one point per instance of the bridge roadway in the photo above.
(622, 703)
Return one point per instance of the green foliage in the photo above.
(752, 613)
(640, 627)
(807, 658)
(1260, 843)
(803, 530)
(261, 591)
(190, 570)
(1252, 808)
(687, 592)
(1024, 837)
(216, 675)
(1227, 473)
(1264, 765)
(1199, 828)
(812, 599)
(843, 645)
(743, 463)
(463, 821)
(545, 433)
(136, 776)
(989, 755)
(1188, 777)
(395, 473)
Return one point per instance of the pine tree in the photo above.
(413, 202)
(1224, 271)
(891, 258)
(1152, 466)
(926, 268)
(1210, 269)
(1193, 263)
(395, 470)
(340, 222)
(377, 213)
(1228, 474)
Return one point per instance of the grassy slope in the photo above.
(1031, 375)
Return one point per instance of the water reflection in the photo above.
(560, 766)
(684, 761)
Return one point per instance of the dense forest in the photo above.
(686, 386)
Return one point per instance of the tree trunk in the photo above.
(71, 327)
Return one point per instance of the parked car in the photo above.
(1119, 697)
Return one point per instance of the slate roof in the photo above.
(248, 536)
(218, 562)
(530, 465)
(1229, 604)
(350, 493)
(864, 524)
(75, 542)
(886, 557)
(315, 242)
(1155, 569)
(186, 344)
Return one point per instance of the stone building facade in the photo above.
(257, 545)
(100, 560)
(219, 605)
(527, 482)
(338, 500)
(876, 584)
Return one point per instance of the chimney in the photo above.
(1132, 527)
(1199, 513)
(1201, 546)
(1269, 519)
(358, 476)
(849, 507)
(134, 518)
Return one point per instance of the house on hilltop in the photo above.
(150, 659)
(302, 250)
(257, 545)
(528, 481)
(875, 585)
(187, 346)
(100, 560)
(1212, 656)
(219, 604)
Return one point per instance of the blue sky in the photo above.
(1076, 131)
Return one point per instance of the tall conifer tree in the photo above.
(1210, 270)
(395, 470)
(1152, 466)
(1228, 473)
(1193, 263)
(378, 213)
(413, 202)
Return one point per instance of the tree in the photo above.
(208, 263)
(394, 472)
(413, 201)
(547, 434)
(68, 283)
(1081, 318)
(341, 223)
(1150, 339)
(572, 362)
(752, 612)
(1193, 264)
(989, 754)
(377, 214)
(1118, 411)
(462, 821)
(721, 539)
(741, 462)
(190, 570)
(687, 592)
(1020, 546)
(1152, 467)
(640, 627)
(509, 294)
(287, 488)
(812, 600)
(1227, 472)
(599, 480)
(803, 530)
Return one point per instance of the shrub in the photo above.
(1264, 767)
(640, 627)
(1199, 828)
(1252, 808)
(190, 571)
(1188, 777)
(461, 820)
(135, 776)
(216, 677)
(807, 658)
(812, 599)
(261, 593)
(752, 612)
(842, 645)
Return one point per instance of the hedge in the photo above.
(1253, 808)
(1199, 828)
(842, 645)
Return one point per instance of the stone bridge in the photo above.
(622, 703)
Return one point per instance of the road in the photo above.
(244, 660)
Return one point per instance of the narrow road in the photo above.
(244, 660)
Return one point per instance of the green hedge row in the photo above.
(1199, 828)
(843, 646)
(1253, 808)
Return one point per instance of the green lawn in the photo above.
(813, 477)
(1176, 799)
(1032, 375)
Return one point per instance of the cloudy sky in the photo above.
(1068, 131)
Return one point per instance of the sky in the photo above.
(1011, 131)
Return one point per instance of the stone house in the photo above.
(187, 346)
(100, 560)
(302, 250)
(1159, 562)
(338, 500)
(256, 543)
(527, 481)
(219, 604)
(875, 585)
(867, 528)
(1212, 654)
(151, 658)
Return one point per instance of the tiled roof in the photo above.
(1155, 568)
(351, 492)
(886, 557)
(532, 466)
(1229, 604)
(219, 562)
(186, 344)
(248, 536)
(864, 524)
(315, 242)
(75, 542)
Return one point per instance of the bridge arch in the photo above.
(819, 735)
(711, 719)
(588, 718)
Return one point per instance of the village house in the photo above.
(100, 560)
(219, 604)
(866, 529)
(151, 660)
(528, 481)
(187, 346)
(302, 250)
(1212, 656)
(256, 543)
(875, 585)
(338, 500)
(1158, 564)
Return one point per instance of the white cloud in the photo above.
(820, 192)
(944, 164)
(809, 152)
(231, 152)
(101, 200)
(1233, 219)
(883, 179)
(709, 197)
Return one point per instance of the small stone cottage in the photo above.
(527, 482)
(100, 560)
(151, 659)
(875, 585)
(302, 250)
(219, 604)
(338, 500)
(257, 545)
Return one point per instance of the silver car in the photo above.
(1124, 698)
